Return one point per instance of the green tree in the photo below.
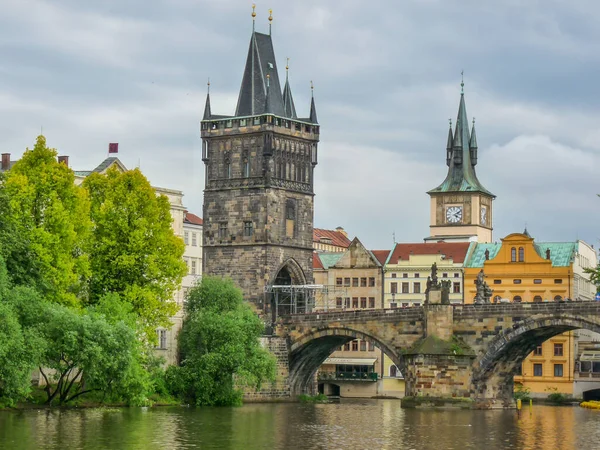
(219, 345)
(51, 215)
(135, 251)
(594, 276)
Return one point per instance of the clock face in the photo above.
(483, 215)
(454, 214)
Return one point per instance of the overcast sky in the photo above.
(387, 79)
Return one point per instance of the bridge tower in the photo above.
(461, 208)
(258, 194)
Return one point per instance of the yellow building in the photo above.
(521, 270)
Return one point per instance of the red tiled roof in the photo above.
(192, 218)
(381, 255)
(317, 264)
(457, 251)
(337, 237)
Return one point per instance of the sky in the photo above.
(386, 80)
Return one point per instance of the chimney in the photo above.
(5, 161)
(64, 160)
(341, 230)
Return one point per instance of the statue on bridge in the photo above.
(437, 292)
(484, 292)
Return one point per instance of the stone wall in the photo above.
(279, 390)
(438, 375)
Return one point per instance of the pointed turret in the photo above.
(288, 101)
(473, 145)
(313, 109)
(207, 112)
(268, 100)
(449, 145)
(461, 159)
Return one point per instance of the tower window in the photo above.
(521, 254)
(246, 167)
(248, 228)
(513, 254)
(223, 230)
(290, 217)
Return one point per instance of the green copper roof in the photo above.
(330, 259)
(461, 172)
(561, 253)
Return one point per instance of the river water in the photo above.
(351, 424)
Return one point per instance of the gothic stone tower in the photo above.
(258, 195)
(461, 208)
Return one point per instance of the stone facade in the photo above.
(280, 388)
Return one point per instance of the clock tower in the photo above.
(461, 208)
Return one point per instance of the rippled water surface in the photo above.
(352, 424)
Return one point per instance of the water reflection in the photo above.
(357, 424)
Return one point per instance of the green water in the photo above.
(351, 424)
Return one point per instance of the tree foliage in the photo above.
(51, 214)
(219, 346)
(135, 252)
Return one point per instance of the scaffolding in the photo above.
(302, 298)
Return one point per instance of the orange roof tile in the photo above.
(317, 264)
(457, 251)
(192, 218)
(337, 238)
(381, 255)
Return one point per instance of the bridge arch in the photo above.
(309, 350)
(497, 364)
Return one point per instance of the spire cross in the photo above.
(462, 81)
(312, 88)
(287, 64)
(208, 84)
(450, 121)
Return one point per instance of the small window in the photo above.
(194, 241)
(521, 254)
(355, 302)
(417, 288)
(517, 281)
(339, 303)
(248, 229)
(371, 281)
(347, 347)
(416, 275)
(537, 370)
(393, 305)
(393, 275)
(363, 282)
(558, 281)
(246, 168)
(417, 304)
(372, 302)
(405, 305)
(371, 347)
(513, 254)
(354, 282)
(538, 351)
(497, 298)
(193, 271)
(557, 298)
(363, 346)
(256, 121)
(456, 288)
(537, 299)
(558, 350)
(347, 302)
(243, 122)
(394, 288)
(519, 370)
(354, 346)
(537, 281)
(338, 281)
(186, 237)
(497, 281)
(445, 275)
(405, 288)
(347, 281)
(404, 275)
(162, 339)
(517, 299)
(558, 370)
(222, 230)
(363, 302)
(229, 124)
(457, 275)
(393, 371)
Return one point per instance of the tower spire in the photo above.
(289, 109)
(313, 109)
(473, 145)
(449, 144)
(207, 112)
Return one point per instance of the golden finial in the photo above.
(208, 84)
(253, 11)
(287, 64)
(270, 15)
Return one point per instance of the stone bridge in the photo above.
(464, 351)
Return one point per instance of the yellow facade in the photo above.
(519, 270)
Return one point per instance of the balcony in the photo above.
(347, 376)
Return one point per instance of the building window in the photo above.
(371, 347)
(290, 217)
(186, 237)
(416, 275)
(517, 299)
(393, 275)
(354, 346)
(497, 281)
(363, 346)
(497, 298)
(456, 288)
(193, 267)
(404, 275)
(417, 288)
(405, 288)
(405, 305)
(513, 254)
(538, 351)
(338, 303)
(558, 350)
(521, 254)
(246, 168)
(445, 275)
(558, 281)
(347, 347)
(222, 230)
(354, 282)
(517, 281)
(537, 281)
(194, 241)
(363, 282)
(394, 287)
(519, 370)
(393, 305)
(372, 302)
(248, 229)
(393, 371)
(355, 302)
(557, 298)
(347, 282)
(537, 370)
(347, 302)
(371, 281)
(363, 302)
(457, 275)
(338, 281)
(537, 299)
(162, 339)
(558, 370)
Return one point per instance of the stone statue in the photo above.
(429, 284)
(547, 253)
(446, 285)
(484, 292)
(434, 277)
(487, 254)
